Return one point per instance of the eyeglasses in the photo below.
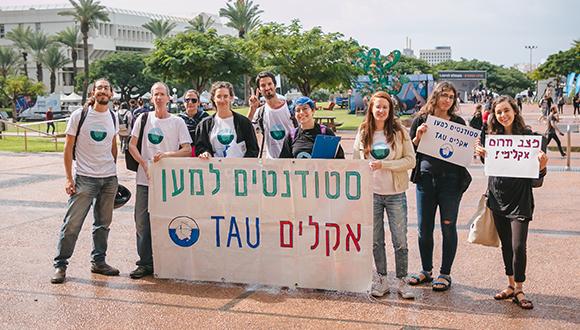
(449, 96)
(101, 87)
(190, 100)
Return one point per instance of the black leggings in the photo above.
(553, 135)
(513, 235)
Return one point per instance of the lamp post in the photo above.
(531, 48)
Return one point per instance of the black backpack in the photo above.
(130, 162)
(81, 122)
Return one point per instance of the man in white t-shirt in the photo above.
(273, 119)
(164, 135)
(91, 140)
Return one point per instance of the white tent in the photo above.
(71, 98)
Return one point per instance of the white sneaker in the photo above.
(404, 291)
(380, 286)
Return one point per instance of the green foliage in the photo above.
(309, 59)
(200, 24)
(125, 71)
(54, 60)
(12, 87)
(561, 63)
(243, 15)
(501, 80)
(9, 60)
(321, 95)
(38, 43)
(19, 36)
(196, 58)
(160, 28)
(70, 37)
(411, 65)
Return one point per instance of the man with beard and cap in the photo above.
(91, 141)
(274, 120)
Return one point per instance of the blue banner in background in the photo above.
(577, 83)
(569, 83)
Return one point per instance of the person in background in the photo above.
(192, 115)
(511, 201)
(576, 103)
(477, 119)
(125, 120)
(385, 143)
(50, 124)
(552, 129)
(561, 102)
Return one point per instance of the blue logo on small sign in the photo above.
(183, 231)
(446, 151)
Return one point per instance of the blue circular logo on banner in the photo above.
(183, 231)
(446, 151)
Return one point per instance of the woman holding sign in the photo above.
(439, 184)
(511, 201)
(226, 134)
(386, 144)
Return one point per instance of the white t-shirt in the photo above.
(125, 129)
(160, 135)
(223, 139)
(277, 124)
(383, 183)
(94, 143)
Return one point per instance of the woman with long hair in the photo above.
(511, 201)
(439, 185)
(226, 134)
(386, 144)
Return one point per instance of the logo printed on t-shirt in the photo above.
(380, 150)
(155, 135)
(225, 136)
(277, 132)
(98, 133)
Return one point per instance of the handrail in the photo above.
(26, 129)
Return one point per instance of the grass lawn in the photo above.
(60, 127)
(35, 144)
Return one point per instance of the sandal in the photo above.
(504, 293)
(523, 303)
(422, 277)
(444, 281)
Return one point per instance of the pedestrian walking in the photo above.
(49, 123)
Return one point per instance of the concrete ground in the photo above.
(32, 205)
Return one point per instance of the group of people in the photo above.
(290, 133)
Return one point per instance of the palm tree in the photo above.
(9, 60)
(87, 13)
(199, 24)
(243, 15)
(54, 60)
(20, 35)
(70, 37)
(160, 28)
(38, 43)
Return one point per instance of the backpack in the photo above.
(81, 122)
(260, 122)
(130, 162)
(124, 120)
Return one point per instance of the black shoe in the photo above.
(58, 276)
(104, 269)
(141, 271)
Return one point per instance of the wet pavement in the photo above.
(32, 205)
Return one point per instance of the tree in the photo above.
(12, 87)
(499, 79)
(200, 24)
(411, 65)
(196, 58)
(20, 35)
(54, 60)
(38, 43)
(70, 37)
(9, 60)
(87, 13)
(561, 63)
(309, 59)
(160, 28)
(125, 71)
(243, 15)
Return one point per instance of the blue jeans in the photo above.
(143, 227)
(441, 191)
(396, 207)
(99, 192)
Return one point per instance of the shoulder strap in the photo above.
(293, 134)
(260, 122)
(113, 117)
(141, 130)
(81, 121)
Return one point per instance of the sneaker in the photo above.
(141, 271)
(380, 286)
(404, 291)
(58, 276)
(104, 269)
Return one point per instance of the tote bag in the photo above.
(482, 229)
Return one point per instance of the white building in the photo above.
(437, 55)
(123, 32)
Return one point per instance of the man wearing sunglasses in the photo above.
(192, 114)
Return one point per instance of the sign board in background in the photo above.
(295, 223)
(513, 156)
(448, 141)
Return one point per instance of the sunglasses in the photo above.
(190, 100)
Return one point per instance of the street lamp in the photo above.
(531, 48)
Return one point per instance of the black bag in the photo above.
(130, 162)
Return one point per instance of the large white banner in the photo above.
(295, 223)
(513, 156)
(448, 141)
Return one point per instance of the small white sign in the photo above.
(448, 141)
(513, 156)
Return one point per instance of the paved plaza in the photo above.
(32, 206)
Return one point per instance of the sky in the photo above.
(492, 30)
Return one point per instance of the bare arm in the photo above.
(185, 151)
(68, 158)
(114, 148)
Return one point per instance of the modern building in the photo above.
(437, 55)
(123, 32)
